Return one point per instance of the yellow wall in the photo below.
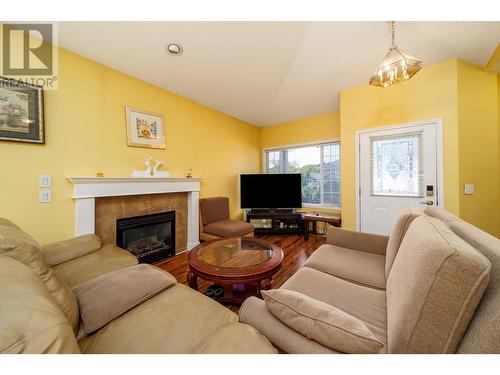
(465, 97)
(312, 129)
(432, 93)
(478, 146)
(85, 133)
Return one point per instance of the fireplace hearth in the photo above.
(149, 237)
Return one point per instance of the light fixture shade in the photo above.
(396, 67)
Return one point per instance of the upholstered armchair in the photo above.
(215, 222)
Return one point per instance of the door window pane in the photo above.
(395, 165)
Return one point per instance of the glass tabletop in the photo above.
(235, 253)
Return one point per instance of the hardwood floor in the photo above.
(296, 252)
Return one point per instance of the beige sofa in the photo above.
(417, 290)
(39, 312)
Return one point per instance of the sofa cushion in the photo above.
(12, 235)
(108, 296)
(440, 213)
(229, 228)
(30, 319)
(433, 289)
(20, 246)
(357, 266)
(63, 251)
(483, 334)
(7, 223)
(364, 303)
(174, 321)
(398, 232)
(255, 313)
(234, 338)
(107, 259)
(321, 322)
(361, 241)
(214, 209)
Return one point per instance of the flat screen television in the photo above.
(271, 191)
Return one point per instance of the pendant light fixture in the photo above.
(397, 66)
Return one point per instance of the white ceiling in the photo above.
(267, 73)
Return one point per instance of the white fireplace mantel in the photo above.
(86, 189)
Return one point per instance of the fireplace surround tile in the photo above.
(108, 209)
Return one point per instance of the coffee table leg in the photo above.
(306, 230)
(265, 284)
(192, 280)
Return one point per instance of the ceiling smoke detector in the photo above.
(174, 49)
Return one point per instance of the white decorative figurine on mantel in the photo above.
(162, 174)
(149, 172)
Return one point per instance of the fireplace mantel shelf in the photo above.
(88, 180)
(86, 189)
(94, 187)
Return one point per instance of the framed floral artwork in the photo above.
(144, 129)
(21, 112)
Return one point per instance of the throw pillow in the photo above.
(321, 322)
(108, 296)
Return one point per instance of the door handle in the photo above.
(429, 203)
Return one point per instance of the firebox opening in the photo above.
(149, 237)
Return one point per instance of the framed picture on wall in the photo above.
(21, 112)
(144, 129)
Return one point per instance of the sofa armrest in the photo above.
(64, 251)
(255, 313)
(367, 242)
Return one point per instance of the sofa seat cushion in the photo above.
(107, 259)
(365, 303)
(235, 338)
(174, 321)
(229, 228)
(321, 322)
(357, 266)
(31, 322)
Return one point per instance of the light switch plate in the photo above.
(45, 196)
(45, 181)
(469, 189)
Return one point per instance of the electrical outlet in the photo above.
(45, 181)
(469, 189)
(45, 196)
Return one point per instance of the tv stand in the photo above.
(272, 211)
(276, 221)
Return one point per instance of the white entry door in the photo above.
(398, 167)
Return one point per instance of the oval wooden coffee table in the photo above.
(244, 266)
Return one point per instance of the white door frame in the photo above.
(438, 123)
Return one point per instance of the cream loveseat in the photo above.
(418, 291)
(39, 312)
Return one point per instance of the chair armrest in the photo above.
(367, 242)
(64, 251)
